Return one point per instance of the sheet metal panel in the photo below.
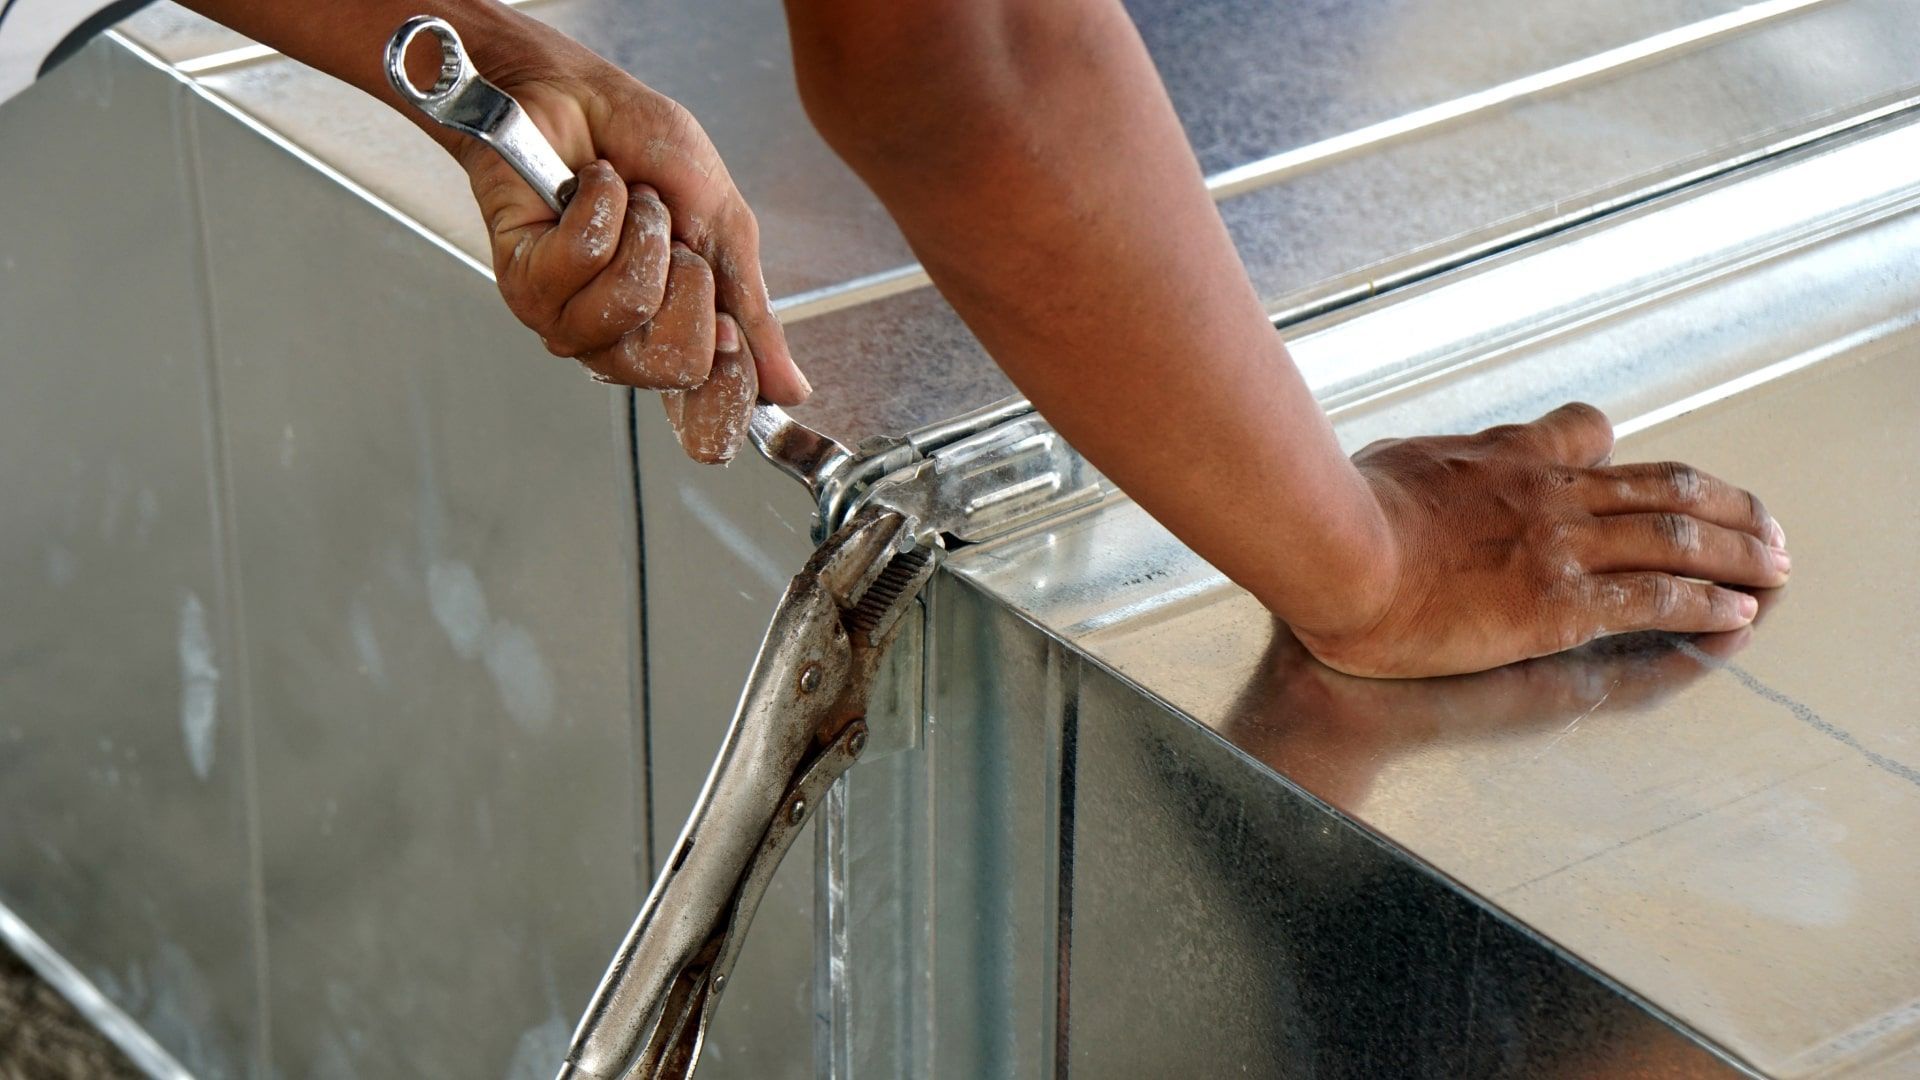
(1712, 824)
(941, 871)
(124, 773)
(1220, 924)
(435, 547)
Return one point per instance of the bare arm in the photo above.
(1034, 160)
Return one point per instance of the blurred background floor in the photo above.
(43, 1038)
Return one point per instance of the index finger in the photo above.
(741, 291)
(1673, 487)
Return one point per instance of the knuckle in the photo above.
(677, 118)
(1665, 595)
(1589, 414)
(1676, 531)
(647, 216)
(1550, 536)
(1683, 481)
(743, 225)
(1552, 485)
(636, 297)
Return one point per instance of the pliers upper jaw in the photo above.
(873, 567)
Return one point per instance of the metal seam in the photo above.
(56, 971)
(230, 588)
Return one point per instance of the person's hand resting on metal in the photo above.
(1034, 161)
(1522, 541)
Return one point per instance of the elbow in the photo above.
(903, 90)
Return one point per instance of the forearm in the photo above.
(1031, 155)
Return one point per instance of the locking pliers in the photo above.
(801, 722)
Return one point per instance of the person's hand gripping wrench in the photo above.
(800, 722)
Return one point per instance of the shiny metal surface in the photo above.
(329, 609)
(435, 546)
(796, 449)
(1353, 144)
(988, 483)
(1256, 934)
(1711, 827)
(940, 866)
(124, 729)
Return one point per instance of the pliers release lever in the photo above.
(800, 723)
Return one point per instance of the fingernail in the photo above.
(1779, 538)
(644, 191)
(726, 334)
(1748, 606)
(806, 388)
(1782, 560)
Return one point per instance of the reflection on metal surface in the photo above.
(1543, 294)
(119, 659)
(1335, 735)
(165, 24)
(1268, 938)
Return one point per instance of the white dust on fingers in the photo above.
(600, 233)
(711, 421)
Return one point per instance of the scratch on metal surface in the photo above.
(1568, 730)
(1806, 715)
